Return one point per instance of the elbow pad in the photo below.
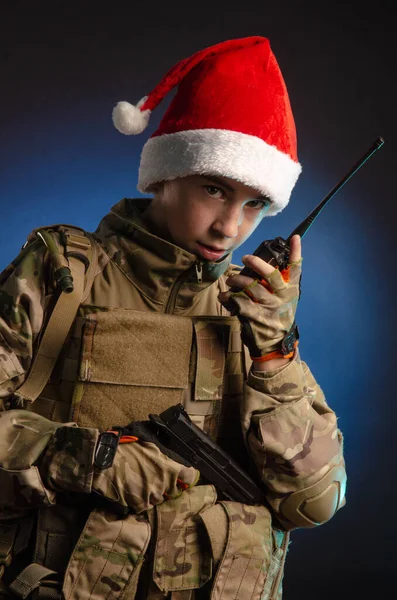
(316, 504)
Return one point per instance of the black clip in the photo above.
(105, 452)
(289, 340)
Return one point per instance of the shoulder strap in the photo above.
(78, 247)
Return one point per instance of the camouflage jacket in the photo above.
(281, 422)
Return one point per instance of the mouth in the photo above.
(211, 252)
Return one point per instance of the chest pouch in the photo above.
(131, 363)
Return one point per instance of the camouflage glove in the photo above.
(266, 307)
(143, 472)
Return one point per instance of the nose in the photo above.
(228, 221)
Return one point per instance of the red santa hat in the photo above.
(231, 116)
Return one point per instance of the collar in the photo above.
(161, 270)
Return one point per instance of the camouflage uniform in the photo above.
(149, 334)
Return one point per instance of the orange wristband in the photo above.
(274, 354)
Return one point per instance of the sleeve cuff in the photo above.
(286, 382)
(69, 458)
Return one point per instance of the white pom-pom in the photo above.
(129, 119)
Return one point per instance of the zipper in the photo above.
(199, 271)
(277, 579)
(170, 306)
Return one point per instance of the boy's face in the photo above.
(206, 215)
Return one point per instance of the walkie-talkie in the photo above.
(276, 252)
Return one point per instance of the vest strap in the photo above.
(54, 336)
(33, 577)
(182, 595)
(14, 538)
(62, 316)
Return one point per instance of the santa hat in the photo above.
(231, 116)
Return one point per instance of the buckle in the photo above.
(80, 242)
(77, 247)
(105, 452)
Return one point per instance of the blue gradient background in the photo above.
(61, 160)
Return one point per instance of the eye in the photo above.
(259, 204)
(214, 191)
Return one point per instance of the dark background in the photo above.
(63, 69)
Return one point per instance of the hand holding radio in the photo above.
(275, 267)
(266, 304)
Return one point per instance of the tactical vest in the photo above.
(111, 367)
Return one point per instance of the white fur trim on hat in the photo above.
(245, 158)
